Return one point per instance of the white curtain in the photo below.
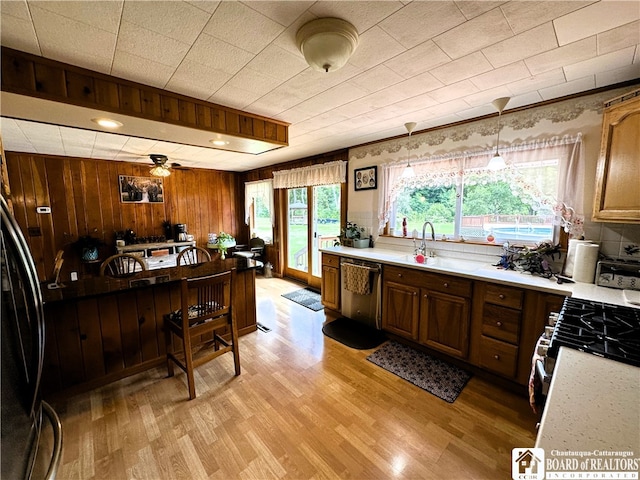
(471, 167)
(323, 174)
(262, 189)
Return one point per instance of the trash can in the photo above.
(268, 270)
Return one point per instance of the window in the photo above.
(259, 209)
(463, 198)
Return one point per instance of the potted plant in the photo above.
(225, 241)
(352, 236)
(87, 247)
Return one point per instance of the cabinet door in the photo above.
(444, 323)
(617, 195)
(401, 309)
(330, 287)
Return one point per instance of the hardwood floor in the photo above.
(304, 407)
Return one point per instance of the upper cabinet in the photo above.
(617, 197)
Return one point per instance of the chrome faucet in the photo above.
(423, 244)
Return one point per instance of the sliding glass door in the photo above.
(313, 221)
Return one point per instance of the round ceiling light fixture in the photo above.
(107, 122)
(219, 143)
(327, 43)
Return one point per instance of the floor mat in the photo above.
(354, 334)
(306, 297)
(436, 376)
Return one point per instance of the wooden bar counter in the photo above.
(102, 329)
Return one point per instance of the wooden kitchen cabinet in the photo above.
(617, 196)
(444, 322)
(400, 309)
(330, 281)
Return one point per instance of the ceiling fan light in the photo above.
(160, 171)
(327, 43)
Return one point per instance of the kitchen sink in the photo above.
(446, 263)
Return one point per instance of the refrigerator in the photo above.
(30, 428)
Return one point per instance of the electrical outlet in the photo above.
(74, 276)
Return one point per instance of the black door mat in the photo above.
(354, 334)
(436, 376)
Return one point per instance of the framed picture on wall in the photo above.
(140, 189)
(365, 178)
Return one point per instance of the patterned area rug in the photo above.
(440, 378)
(306, 297)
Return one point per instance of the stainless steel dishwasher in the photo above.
(364, 308)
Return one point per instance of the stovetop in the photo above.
(611, 331)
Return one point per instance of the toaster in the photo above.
(622, 274)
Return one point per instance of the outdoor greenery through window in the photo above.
(259, 209)
(463, 198)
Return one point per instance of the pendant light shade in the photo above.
(497, 162)
(327, 43)
(160, 167)
(408, 170)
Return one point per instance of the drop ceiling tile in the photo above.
(253, 81)
(217, 54)
(153, 46)
(418, 102)
(177, 20)
(99, 14)
(239, 25)
(332, 98)
(462, 68)
(569, 88)
(195, 79)
(526, 44)
(485, 30)
(565, 55)
(472, 9)
(287, 38)
(234, 97)
(66, 39)
(484, 98)
(11, 131)
(277, 103)
(523, 16)
(630, 72)
(418, 22)
(354, 109)
(500, 76)
(596, 18)
(208, 6)
(18, 33)
(455, 90)
(417, 60)
(375, 47)
(376, 79)
(135, 68)
(485, 109)
(285, 13)
(448, 108)
(278, 63)
(536, 82)
(524, 100)
(601, 63)
(362, 14)
(618, 38)
(425, 82)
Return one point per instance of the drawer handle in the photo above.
(497, 357)
(446, 285)
(501, 296)
(399, 275)
(499, 324)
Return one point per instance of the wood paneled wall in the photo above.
(84, 199)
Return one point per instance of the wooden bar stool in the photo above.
(193, 256)
(122, 265)
(207, 301)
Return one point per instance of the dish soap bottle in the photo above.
(404, 227)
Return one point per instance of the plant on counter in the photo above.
(537, 260)
(224, 242)
(349, 233)
(87, 247)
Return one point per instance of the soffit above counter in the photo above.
(42, 90)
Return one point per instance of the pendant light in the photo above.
(497, 162)
(408, 170)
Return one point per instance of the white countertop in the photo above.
(487, 272)
(593, 404)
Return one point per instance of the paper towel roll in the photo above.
(569, 262)
(586, 259)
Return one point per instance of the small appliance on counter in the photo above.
(181, 232)
(621, 274)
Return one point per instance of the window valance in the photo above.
(323, 174)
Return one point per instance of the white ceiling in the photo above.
(431, 62)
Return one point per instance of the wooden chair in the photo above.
(122, 265)
(207, 301)
(193, 256)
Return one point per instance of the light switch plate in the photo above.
(43, 209)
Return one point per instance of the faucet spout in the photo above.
(423, 244)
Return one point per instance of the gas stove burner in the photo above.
(610, 331)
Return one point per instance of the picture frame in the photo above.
(134, 189)
(365, 178)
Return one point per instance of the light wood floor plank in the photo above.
(304, 407)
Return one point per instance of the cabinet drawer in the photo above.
(506, 296)
(330, 260)
(448, 284)
(406, 276)
(501, 323)
(499, 357)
